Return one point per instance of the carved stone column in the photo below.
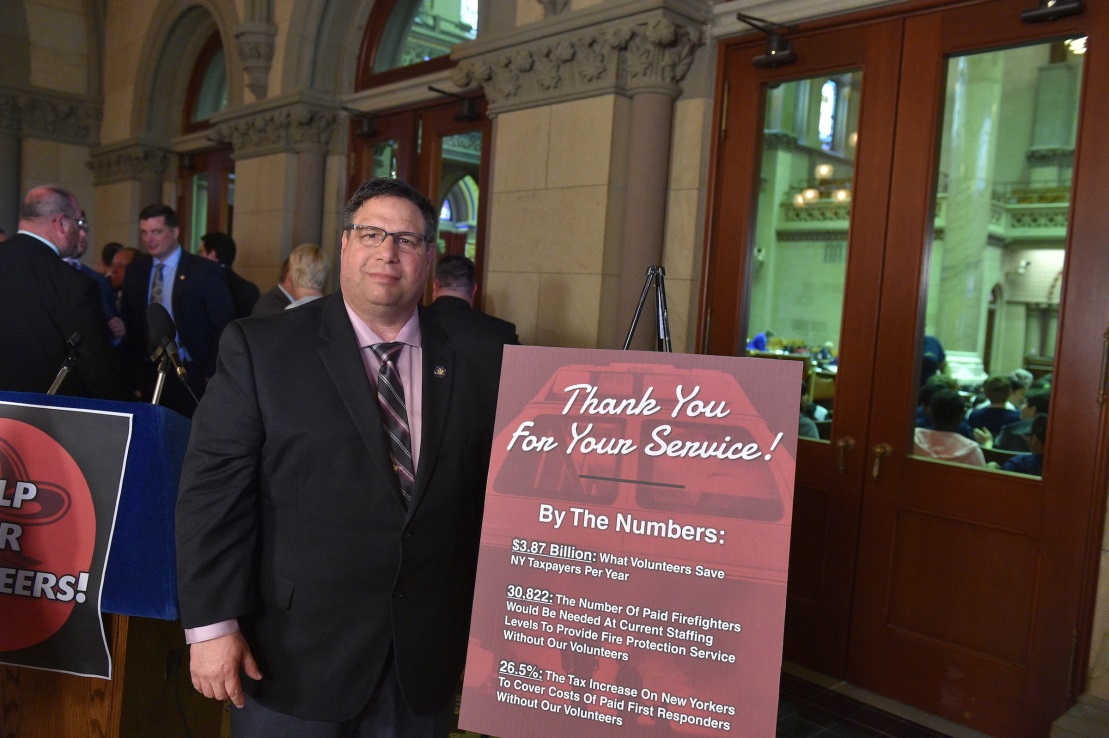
(294, 126)
(10, 163)
(256, 43)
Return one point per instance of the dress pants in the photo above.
(386, 715)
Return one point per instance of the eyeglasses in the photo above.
(372, 236)
(82, 224)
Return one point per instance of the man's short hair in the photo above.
(220, 244)
(455, 271)
(1019, 378)
(997, 388)
(309, 266)
(160, 210)
(109, 252)
(948, 409)
(43, 203)
(386, 187)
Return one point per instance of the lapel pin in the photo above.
(440, 372)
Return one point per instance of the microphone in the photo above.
(162, 331)
(70, 359)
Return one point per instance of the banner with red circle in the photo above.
(61, 471)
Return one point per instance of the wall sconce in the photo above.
(810, 193)
(842, 195)
(798, 200)
(824, 172)
(779, 50)
(1050, 10)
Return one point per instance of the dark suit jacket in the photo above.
(244, 293)
(43, 302)
(290, 517)
(201, 308)
(271, 303)
(454, 311)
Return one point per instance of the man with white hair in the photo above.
(308, 267)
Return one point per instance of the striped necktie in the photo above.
(394, 416)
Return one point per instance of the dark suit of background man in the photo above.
(220, 248)
(278, 298)
(44, 301)
(195, 294)
(452, 297)
(299, 557)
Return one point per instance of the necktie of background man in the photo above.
(157, 285)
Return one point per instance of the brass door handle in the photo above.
(881, 451)
(845, 444)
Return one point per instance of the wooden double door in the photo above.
(920, 156)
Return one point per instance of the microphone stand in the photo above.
(160, 383)
(70, 359)
(662, 341)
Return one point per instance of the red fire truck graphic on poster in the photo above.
(632, 572)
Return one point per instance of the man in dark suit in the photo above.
(328, 560)
(220, 248)
(107, 294)
(192, 289)
(452, 298)
(278, 298)
(44, 301)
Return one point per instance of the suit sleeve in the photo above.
(217, 510)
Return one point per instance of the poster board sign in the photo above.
(632, 571)
(61, 471)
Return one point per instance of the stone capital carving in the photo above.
(645, 54)
(295, 126)
(255, 46)
(131, 160)
(51, 115)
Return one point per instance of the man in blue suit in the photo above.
(193, 291)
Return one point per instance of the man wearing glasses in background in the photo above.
(331, 500)
(45, 301)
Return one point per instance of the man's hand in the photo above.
(117, 328)
(214, 666)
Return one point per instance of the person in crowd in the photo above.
(308, 268)
(107, 297)
(220, 248)
(761, 341)
(1033, 461)
(806, 427)
(943, 440)
(120, 261)
(107, 253)
(3, 235)
(277, 298)
(45, 302)
(1014, 436)
(924, 410)
(331, 499)
(995, 415)
(192, 289)
(452, 294)
(1019, 382)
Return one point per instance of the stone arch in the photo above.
(177, 33)
(325, 56)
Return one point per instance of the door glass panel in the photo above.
(799, 262)
(419, 31)
(199, 212)
(384, 163)
(1003, 187)
(459, 166)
